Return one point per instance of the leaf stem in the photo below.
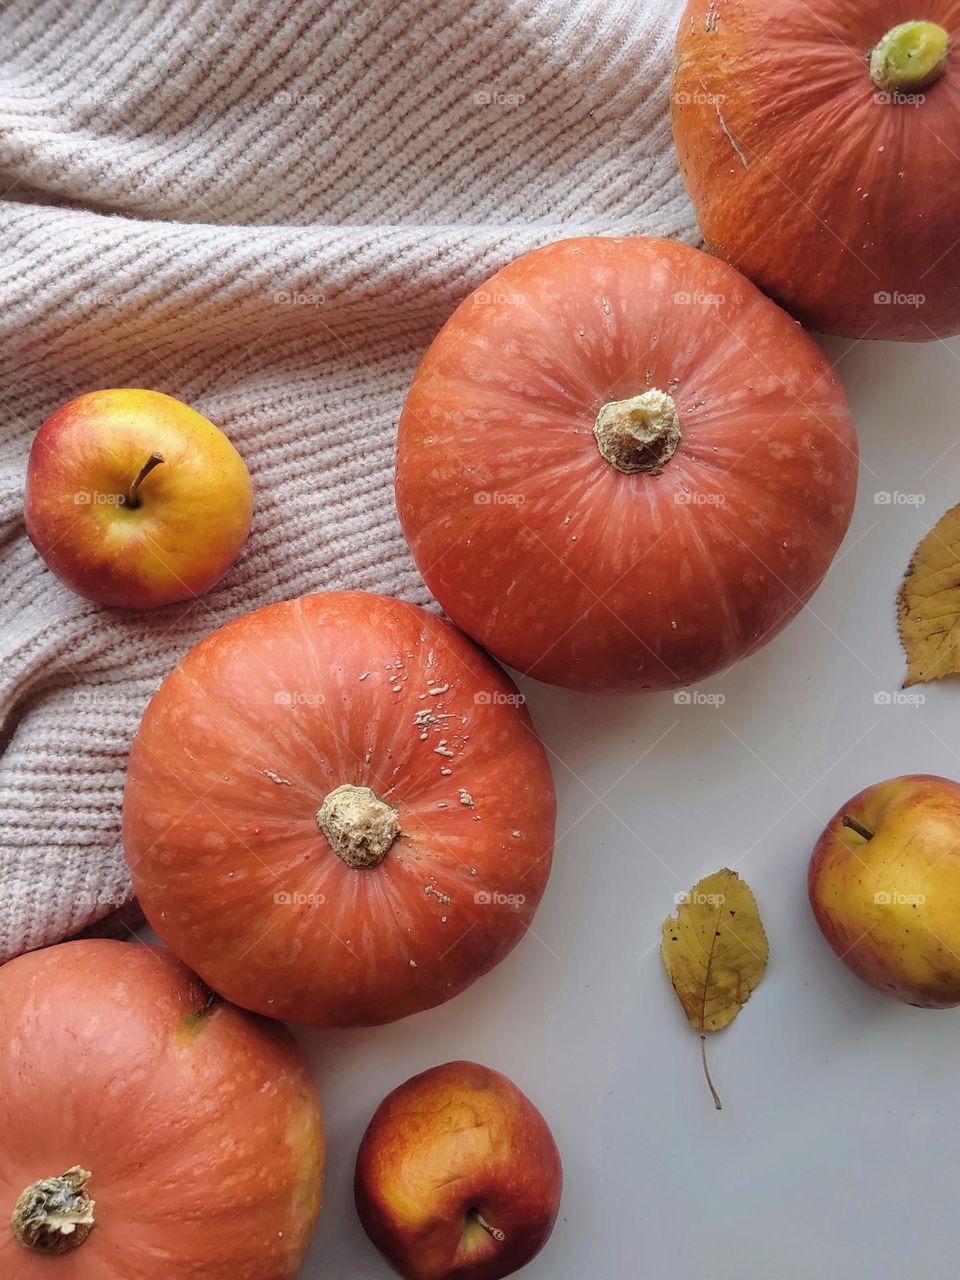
(706, 1072)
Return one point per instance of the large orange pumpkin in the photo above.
(337, 811)
(149, 1131)
(620, 467)
(819, 143)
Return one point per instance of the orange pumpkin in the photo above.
(819, 144)
(620, 467)
(337, 811)
(149, 1130)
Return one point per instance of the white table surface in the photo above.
(838, 1149)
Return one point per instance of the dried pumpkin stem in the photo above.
(910, 57)
(640, 434)
(132, 497)
(706, 1072)
(54, 1215)
(359, 825)
(858, 827)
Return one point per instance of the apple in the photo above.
(134, 499)
(458, 1175)
(884, 885)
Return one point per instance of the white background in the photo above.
(838, 1149)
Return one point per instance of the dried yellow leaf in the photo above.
(928, 606)
(715, 952)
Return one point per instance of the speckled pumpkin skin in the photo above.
(571, 570)
(200, 1125)
(234, 759)
(839, 201)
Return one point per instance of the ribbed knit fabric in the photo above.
(266, 211)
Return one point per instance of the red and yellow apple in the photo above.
(884, 885)
(134, 499)
(458, 1176)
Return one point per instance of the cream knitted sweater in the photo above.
(267, 211)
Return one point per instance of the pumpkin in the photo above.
(620, 467)
(819, 145)
(337, 811)
(149, 1130)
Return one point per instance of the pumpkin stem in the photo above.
(640, 434)
(909, 57)
(132, 496)
(359, 825)
(54, 1215)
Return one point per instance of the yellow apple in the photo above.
(134, 499)
(458, 1176)
(884, 885)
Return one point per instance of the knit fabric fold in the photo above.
(268, 212)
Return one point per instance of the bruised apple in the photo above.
(134, 499)
(458, 1175)
(885, 888)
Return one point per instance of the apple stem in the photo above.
(497, 1234)
(132, 498)
(858, 827)
(706, 1072)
